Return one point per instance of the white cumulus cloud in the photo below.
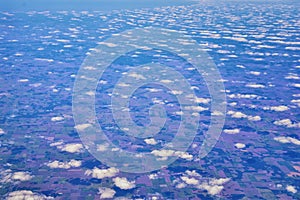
(232, 131)
(285, 140)
(123, 183)
(102, 173)
(276, 108)
(151, 141)
(106, 193)
(64, 165)
(26, 195)
(291, 189)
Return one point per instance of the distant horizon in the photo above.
(105, 5)
(94, 5)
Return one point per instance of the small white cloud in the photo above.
(102, 173)
(254, 118)
(237, 114)
(90, 93)
(166, 81)
(151, 141)
(137, 76)
(243, 96)
(55, 144)
(292, 76)
(217, 113)
(108, 44)
(192, 173)
(26, 195)
(220, 181)
(211, 189)
(240, 145)
(123, 183)
(153, 176)
(291, 189)
(2, 131)
(102, 147)
(181, 185)
(57, 119)
(9, 177)
(202, 100)
(72, 148)
(106, 193)
(276, 108)
(23, 80)
(184, 155)
(164, 154)
(190, 181)
(176, 92)
(81, 127)
(287, 122)
(64, 165)
(252, 85)
(296, 85)
(21, 176)
(255, 73)
(196, 108)
(123, 85)
(287, 140)
(232, 131)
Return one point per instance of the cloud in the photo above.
(296, 101)
(123, 183)
(211, 189)
(286, 140)
(81, 127)
(106, 193)
(137, 76)
(237, 114)
(240, 145)
(102, 173)
(254, 118)
(202, 100)
(153, 176)
(232, 131)
(214, 186)
(151, 141)
(2, 131)
(9, 177)
(71, 148)
(243, 96)
(196, 108)
(184, 155)
(253, 85)
(255, 73)
(64, 165)
(291, 189)
(219, 181)
(296, 85)
(217, 113)
(288, 123)
(57, 119)
(292, 76)
(164, 154)
(242, 115)
(21, 176)
(102, 147)
(192, 173)
(193, 179)
(276, 108)
(181, 185)
(190, 181)
(26, 194)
